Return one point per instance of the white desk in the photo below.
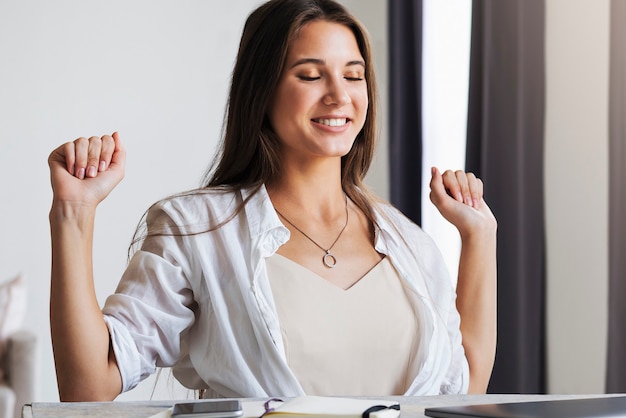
(410, 407)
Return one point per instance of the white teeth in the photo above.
(332, 122)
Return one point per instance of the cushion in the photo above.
(12, 311)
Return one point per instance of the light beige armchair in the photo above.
(20, 380)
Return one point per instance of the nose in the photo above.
(337, 93)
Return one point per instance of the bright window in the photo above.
(446, 51)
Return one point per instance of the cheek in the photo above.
(289, 103)
(359, 96)
(361, 103)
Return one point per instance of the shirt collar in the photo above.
(263, 219)
(261, 215)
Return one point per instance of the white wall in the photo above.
(155, 70)
(576, 193)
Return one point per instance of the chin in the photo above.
(341, 150)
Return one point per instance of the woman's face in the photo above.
(321, 100)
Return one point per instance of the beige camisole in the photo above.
(355, 342)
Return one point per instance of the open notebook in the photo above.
(314, 406)
(598, 407)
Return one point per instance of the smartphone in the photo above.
(208, 409)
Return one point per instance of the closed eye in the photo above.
(305, 78)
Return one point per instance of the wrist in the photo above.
(483, 232)
(79, 213)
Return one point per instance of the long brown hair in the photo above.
(248, 155)
(249, 152)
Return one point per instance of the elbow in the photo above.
(81, 397)
(89, 388)
(85, 394)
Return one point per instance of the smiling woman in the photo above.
(323, 94)
(325, 91)
(239, 303)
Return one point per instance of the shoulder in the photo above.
(204, 208)
(400, 230)
(390, 218)
(198, 200)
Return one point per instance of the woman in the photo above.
(283, 275)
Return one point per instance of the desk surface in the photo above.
(411, 407)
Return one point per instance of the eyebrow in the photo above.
(318, 61)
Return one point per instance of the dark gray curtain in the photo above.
(405, 106)
(505, 148)
(616, 360)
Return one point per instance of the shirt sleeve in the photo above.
(153, 306)
(456, 380)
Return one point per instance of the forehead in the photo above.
(324, 40)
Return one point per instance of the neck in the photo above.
(314, 191)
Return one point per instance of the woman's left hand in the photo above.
(459, 198)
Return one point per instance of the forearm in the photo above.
(86, 369)
(476, 302)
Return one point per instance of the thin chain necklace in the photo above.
(329, 259)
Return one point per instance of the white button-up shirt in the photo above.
(201, 303)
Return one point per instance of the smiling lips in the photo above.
(332, 122)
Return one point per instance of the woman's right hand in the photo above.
(84, 171)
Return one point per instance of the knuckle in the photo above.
(81, 141)
(68, 148)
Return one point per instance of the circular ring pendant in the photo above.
(329, 260)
